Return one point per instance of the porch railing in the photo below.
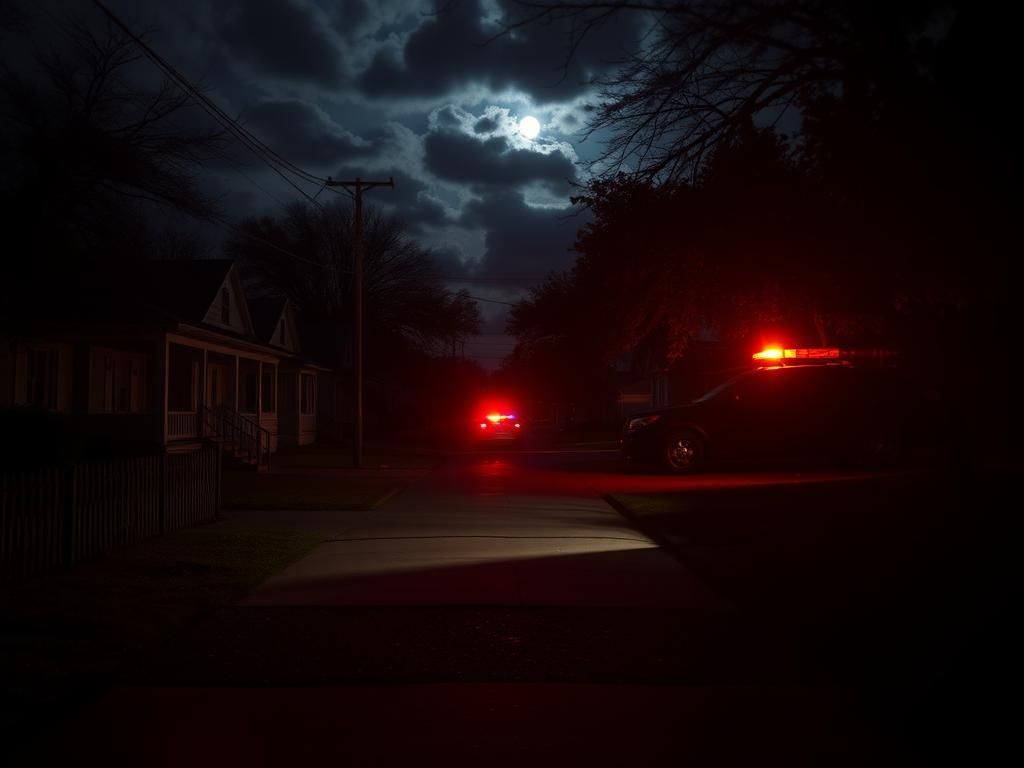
(244, 435)
(183, 424)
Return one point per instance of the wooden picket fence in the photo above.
(63, 515)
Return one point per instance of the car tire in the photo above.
(684, 452)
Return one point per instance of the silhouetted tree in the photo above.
(660, 265)
(306, 255)
(903, 153)
(87, 143)
(702, 70)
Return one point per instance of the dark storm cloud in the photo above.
(450, 262)
(304, 132)
(412, 202)
(461, 158)
(350, 17)
(522, 243)
(485, 125)
(409, 201)
(447, 117)
(452, 49)
(286, 39)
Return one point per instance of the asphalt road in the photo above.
(500, 610)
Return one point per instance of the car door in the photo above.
(772, 413)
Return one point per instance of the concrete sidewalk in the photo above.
(475, 532)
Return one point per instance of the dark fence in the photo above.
(61, 516)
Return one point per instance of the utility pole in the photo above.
(355, 188)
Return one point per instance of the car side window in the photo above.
(764, 389)
(791, 388)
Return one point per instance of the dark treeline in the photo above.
(412, 321)
(815, 173)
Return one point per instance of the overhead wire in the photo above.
(272, 159)
(235, 229)
(491, 301)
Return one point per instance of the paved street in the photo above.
(500, 609)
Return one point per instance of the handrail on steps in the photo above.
(244, 433)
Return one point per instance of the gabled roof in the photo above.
(186, 289)
(274, 319)
(266, 312)
(190, 291)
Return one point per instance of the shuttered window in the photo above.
(42, 375)
(307, 391)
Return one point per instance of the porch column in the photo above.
(203, 394)
(163, 375)
(259, 392)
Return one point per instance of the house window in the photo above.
(42, 373)
(225, 306)
(269, 387)
(122, 384)
(182, 380)
(250, 391)
(307, 389)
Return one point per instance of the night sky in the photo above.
(430, 96)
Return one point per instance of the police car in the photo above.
(800, 403)
(498, 426)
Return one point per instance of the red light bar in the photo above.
(804, 353)
(495, 418)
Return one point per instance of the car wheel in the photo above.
(684, 451)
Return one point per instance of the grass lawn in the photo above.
(65, 636)
(251, 490)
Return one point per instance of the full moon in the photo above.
(529, 127)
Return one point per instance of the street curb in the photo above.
(651, 532)
(724, 604)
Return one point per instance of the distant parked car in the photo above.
(498, 427)
(797, 403)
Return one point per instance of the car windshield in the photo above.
(711, 394)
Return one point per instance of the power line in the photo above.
(259, 186)
(256, 238)
(492, 278)
(271, 158)
(492, 301)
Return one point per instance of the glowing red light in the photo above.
(483, 425)
(803, 353)
(494, 418)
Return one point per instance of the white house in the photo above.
(181, 358)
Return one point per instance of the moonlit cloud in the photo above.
(420, 91)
